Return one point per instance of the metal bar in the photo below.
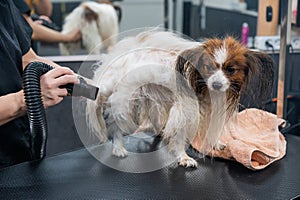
(174, 14)
(166, 14)
(285, 23)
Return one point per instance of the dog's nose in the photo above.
(217, 85)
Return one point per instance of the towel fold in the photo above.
(252, 139)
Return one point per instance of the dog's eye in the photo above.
(230, 70)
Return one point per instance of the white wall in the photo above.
(144, 13)
(147, 13)
(141, 13)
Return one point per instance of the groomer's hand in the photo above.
(50, 82)
(73, 36)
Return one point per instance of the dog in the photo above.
(116, 7)
(98, 23)
(175, 87)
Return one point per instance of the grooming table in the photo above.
(78, 175)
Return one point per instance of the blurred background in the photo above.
(197, 19)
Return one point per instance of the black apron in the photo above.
(15, 40)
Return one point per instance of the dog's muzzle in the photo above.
(217, 85)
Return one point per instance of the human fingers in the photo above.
(44, 17)
(48, 102)
(58, 71)
(38, 22)
(75, 35)
(53, 96)
(65, 79)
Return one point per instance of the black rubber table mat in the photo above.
(77, 175)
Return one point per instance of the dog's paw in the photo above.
(219, 146)
(103, 139)
(188, 162)
(119, 151)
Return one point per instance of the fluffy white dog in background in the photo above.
(98, 24)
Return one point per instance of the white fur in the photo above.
(220, 55)
(96, 35)
(220, 77)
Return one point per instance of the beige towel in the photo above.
(253, 139)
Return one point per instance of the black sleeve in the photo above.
(23, 30)
(22, 6)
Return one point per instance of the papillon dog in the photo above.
(98, 23)
(178, 88)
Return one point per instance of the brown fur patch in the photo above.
(105, 2)
(89, 14)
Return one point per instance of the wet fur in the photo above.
(178, 104)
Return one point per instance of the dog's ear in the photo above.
(182, 59)
(260, 79)
(190, 66)
(195, 58)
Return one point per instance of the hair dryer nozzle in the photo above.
(82, 89)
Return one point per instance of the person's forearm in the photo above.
(49, 62)
(12, 106)
(44, 34)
